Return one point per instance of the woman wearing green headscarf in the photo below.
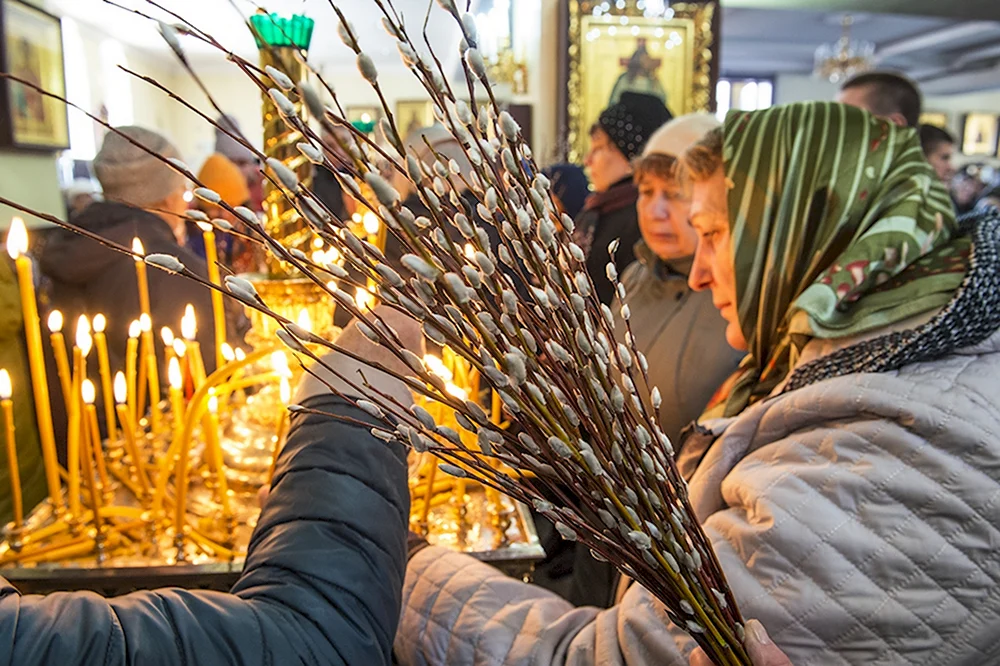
(848, 474)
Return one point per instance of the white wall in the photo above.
(790, 88)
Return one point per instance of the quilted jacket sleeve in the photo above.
(321, 583)
(857, 519)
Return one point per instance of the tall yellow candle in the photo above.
(128, 430)
(6, 390)
(139, 254)
(218, 307)
(90, 453)
(176, 381)
(211, 425)
(167, 336)
(75, 427)
(152, 371)
(59, 353)
(104, 366)
(189, 330)
(89, 394)
(131, 351)
(17, 245)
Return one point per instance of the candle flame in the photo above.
(134, 329)
(189, 323)
(371, 223)
(285, 391)
(227, 352)
(174, 374)
(100, 323)
(470, 251)
(333, 256)
(145, 323)
(138, 251)
(304, 320)
(56, 321)
(213, 402)
(456, 391)
(319, 257)
(240, 354)
(364, 299)
(6, 390)
(205, 227)
(179, 348)
(437, 366)
(17, 238)
(121, 388)
(167, 336)
(279, 361)
(83, 340)
(356, 217)
(317, 243)
(88, 392)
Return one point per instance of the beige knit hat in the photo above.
(132, 176)
(679, 134)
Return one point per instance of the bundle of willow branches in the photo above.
(521, 309)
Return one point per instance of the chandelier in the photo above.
(845, 57)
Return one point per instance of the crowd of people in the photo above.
(818, 318)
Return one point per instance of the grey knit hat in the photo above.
(132, 176)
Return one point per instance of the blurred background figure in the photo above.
(80, 194)
(220, 174)
(242, 157)
(939, 149)
(570, 187)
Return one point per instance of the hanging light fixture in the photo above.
(845, 57)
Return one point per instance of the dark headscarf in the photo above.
(570, 184)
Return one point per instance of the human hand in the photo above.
(353, 341)
(762, 650)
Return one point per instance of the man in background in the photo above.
(887, 95)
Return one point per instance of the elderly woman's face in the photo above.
(713, 260)
(663, 217)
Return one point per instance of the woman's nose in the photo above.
(700, 277)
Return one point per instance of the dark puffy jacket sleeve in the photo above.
(321, 585)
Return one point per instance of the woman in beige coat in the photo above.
(851, 485)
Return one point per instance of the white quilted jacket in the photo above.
(858, 519)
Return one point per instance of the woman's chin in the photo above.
(735, 338)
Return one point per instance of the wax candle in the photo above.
(211, 426)
(17, 245)
(218, 308)
(128, 430)
(139, 254)
(104, 366)
(75, 428)
(167, 336)
(189, 330)
(152, 370)
(91, 452)
(6, 391)
(176, 381)
(131, 352)
(59, 353)
(89, 394)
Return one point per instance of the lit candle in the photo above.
(89, 394)
(218, 308)
(17, 245)
(90, 446)
(128, 429)
(211, 426)
(75, 426)
(364, 299)
(372, 225)
(131, 352)
(59, 353)
(15, 472)
(139, 254)
(167, 335)
(152, 370)
(176, 381)
(107, 391)
(189, 330)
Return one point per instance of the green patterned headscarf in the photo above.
(839, 227)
